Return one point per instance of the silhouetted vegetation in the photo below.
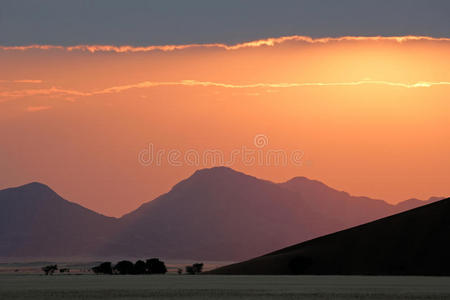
(50, 269)
(155, 266)
(140, 267)
(124, 267)
(103, 268)
(194, 269)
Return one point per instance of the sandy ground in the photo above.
(23, 286)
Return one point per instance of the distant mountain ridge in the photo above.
(215, 214)
(37, 222)
(355, 209)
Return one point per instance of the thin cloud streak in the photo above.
(149, 84)
(34, 81)
(37, 81)
(38, 108)
(42, 92)
(249, 44)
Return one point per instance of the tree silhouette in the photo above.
(50, 269)
(155, 266)
(198, 268)
(124, 267)
(194, 269)
(140, 267)
(103, 268)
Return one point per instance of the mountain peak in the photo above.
(301, 182)
(32, 193)
(213, 176)
(302, 179)
(32, 187)
(216, 170)
(35, 185)
(36, 222)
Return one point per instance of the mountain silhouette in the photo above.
(349, 209)
(215, 214)
(416, 242)
(36, 222)
(221, 214)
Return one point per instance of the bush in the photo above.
(124, 267)
(103, 268)
(140, 267)
(50, 269)
(194, 269)
(189, 270)
(155, 266)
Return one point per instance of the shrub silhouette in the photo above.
(140, 267)
(50, 269)
(155, 266)
(194, 269)
(103, 268)
(124, 267)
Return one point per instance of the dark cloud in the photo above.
(142, 22)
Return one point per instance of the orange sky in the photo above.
(368, 115)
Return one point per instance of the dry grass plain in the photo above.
(23, 286)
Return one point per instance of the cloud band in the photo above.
(249, 44)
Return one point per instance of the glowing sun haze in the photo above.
(369, 114)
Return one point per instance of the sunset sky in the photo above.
(363, 111)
